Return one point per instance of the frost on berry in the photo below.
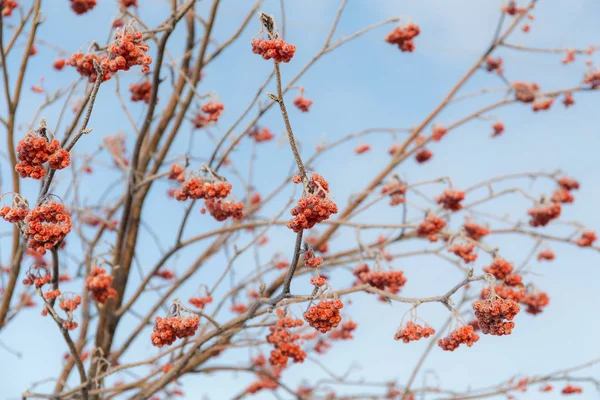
(587, 239)
(35, 150)
(464, 251)
(362, 148)
(302, 103)
(413, 332)
(169, 329)
(451, 199)
(285, 343)
(491, 315)
(275, 49)
(314, 206)
(463, 335)
(498, 128)
(99, 283)
(325, 315)
(46, 226)
(543, 214)
(141, 91)
(500, 268)
(318, 281)
(547, 255)
(570, 389)
(430, 227)
(403, 36)
(82, 6)
(389, 281)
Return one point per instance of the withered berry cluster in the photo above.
(169, 329)
(430, 227)
(413, 332)
(525, 92)
(34, 150)
(313, 208)
(141, 91)
(325, 315)
(403, 37)
(463, 335)
(99, 283)
(284, 342)
(275, 49)
(451, 199)
(491, 315)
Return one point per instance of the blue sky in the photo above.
(366, 83)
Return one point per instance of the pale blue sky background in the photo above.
(364, 84)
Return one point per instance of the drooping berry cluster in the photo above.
(475, 231)
(413, 332)
(451, 199)
(430, 227)
(284, 342)
(325, 315)
(464, 251)
(46, 226)
(261, 134)
(311, 261)
(82, 6)
(313, 208)
(196, 188)
(169, 329)
(34, 150)
(221, 210)
(463, 335)
(141, 91)
(37, 276)
(491, 315)
(275, 49)
(423, 155)
(543, 214)
(390, 281)
(587, 239)
(302, 103)
(563, 193)
(99, 283)
(344, 332)
(403, 37)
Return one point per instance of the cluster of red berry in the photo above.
(413, 332)
(165, 274)
(569, 56)
(494, 64)
(362, 148)
(547, 255)
(423, 155)
(127, 50)
(52, 294)
(82, 6)
(498, 128)
(311, 261)
(451, 199)
(221, 210)
(261, 134)
(196, 188)
(512, 9)
(284, 342)
(303, 103)
(475, 231)
(534, 300)
(128, 3)
(491, 315)
(396, 191)
(46, 226)
(8, 6)
(587, 239)
(563, 193)
(464, 251)
(210, 114)
(263, 383)
(500, 268)
(275, 49)
(200, 302)
(84, 64)
(99, 283)
(543, 214)
(37, 276)
(403, 37)
(177, 173)
(570, 389)
(543, 103)
(33, 151)
(525, 92)
(69, 305)
(463, 335)
(592, 78)
(17, 213)
(141, 91)
(390, 281)
(430, 227)
(439, 132)
(169, 329)
(314, 208)
(325, 315)
(568, 100)
(344, 332)
(318, 281)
